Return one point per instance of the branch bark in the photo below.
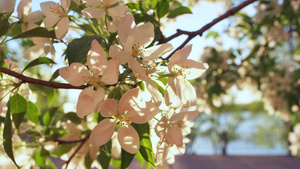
(25, 79)
(199, 32)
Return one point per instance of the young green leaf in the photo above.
(77, 50)
(38, 61)
(162, 8)
(33, 113)
(17, 104)
(7, 135)
(179, 11)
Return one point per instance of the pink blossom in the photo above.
(131, 108)
(29, 18)
(98, 74)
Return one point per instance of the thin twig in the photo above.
(199, 32)
(26, 79)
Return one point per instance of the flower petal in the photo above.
(24, 8)
(125, 99)
(89, 101)
(76, 74)
(65, 5)
(93, 12)
(50, 21)
(96, 58)
(194, 69)
(171, 98)
(92, 2)
(109, 108)
(180, 56)
(185, 91)
(126, 27)
(62, 28)
(187, 115)
(137, 68)
(129, 139)
(111, 75)
(152, 53)
(36, 51)
(161, 126)
(47, 7)
(144, 34)
(174, 135)
(140, 112)
(117, 10)
(33, 17)
(152, 88)
(103, 132)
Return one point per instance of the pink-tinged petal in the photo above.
(141, 112)
(92, 2)
(89, 101)
(52, 52)
(7, 6)
(24, 8)
(152, 53)
(39, 40)
(185, 91)
(136, 67)
(109, 108)
(76, 74)
(36, 51)
(180, 56)
(129, 139)
(115, 52)
(129, 44)
(152, 88)
(65, 5)
(111, 75)
(174, 135)
(47, 7)
(96, 58)
(125, 99)
(117, 10)
(144, 34)
(171, 97)
(184, 116)
(103, 132)
(194, 69)
(62, 28)
(50, 20)
(160, 127)
(126, 27)
(35, 16)
(93, 12)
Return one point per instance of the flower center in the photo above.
(123, 120)
(180, 70)
(137, 49)
(94, 80)
(58, 10)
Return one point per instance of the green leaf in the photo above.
(38, 61)
(36, 32)
(145, 142)
(33, 113)
(17, 104)
(49, 115)
(7, 135)
(4, 26)
(162, 8)
(126, 159)
(77, 50)
(213, 34)
(54, 75)
(105, 155)
(72, 117)
(88, 160)
(40, 156)
(61, 150)
(132, 5)
(179, 11)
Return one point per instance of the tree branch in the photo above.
(25, 79)
(199, 32)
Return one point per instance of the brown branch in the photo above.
(25, 79)
(199, 32)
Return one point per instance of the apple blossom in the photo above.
(108, 7)
(42, 47)
(7, 6)
(131, 108)
(28, 18)
(182, 70)
(98, 74)
(57, 14)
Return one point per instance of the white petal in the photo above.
(23, 8)
(129, 139)
(92, 2)
(171, 97)
(126, 27)
(161, 126)
(47, 8)
(89, 101)
(36, 52)
(152, 88)
(136, 67)
(174, 135)
(65, 4)
(180, 56)
(185, 91)
(62, 28)
(103, 132)
(144, 34)
(50, 21)
(152, 53)
(111, 75)
(96, 58)
(34, 17)
(194, 69)
(117, 10)
(76, 74)
(109, 108)
(93, 12)
(125, 99)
